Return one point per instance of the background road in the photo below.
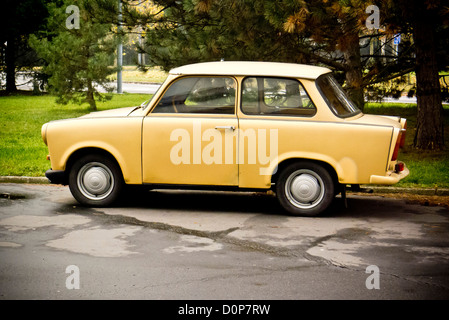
(24, 82)
(217, 245)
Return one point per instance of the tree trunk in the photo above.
(429, 128)
(354, 77)
(90, 96)
(11, 65)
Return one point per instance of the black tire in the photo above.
(95, 180)
(305, 189)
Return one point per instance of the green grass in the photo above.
(22, 152)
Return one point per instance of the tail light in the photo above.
(399, 167)
(400, 142)
(396, 147)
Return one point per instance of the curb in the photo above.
(364, 188)
(419, 191)
(18, 179)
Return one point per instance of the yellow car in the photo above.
(235, 126)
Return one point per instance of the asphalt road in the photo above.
(217, 245)
(23, 82)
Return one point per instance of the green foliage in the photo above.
(193, 31)
(77, 60)
(314, 32)
(327, 33)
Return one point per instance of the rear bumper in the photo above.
(56, 177)
(390, 178)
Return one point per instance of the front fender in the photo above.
(120, 137)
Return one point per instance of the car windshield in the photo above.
(336, 97)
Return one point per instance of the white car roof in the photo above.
(252, 68)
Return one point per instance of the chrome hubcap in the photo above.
(95, 181)
(304, 189)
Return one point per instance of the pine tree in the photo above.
(323, 32)
(79, 53)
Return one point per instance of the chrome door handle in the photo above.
(225, 127)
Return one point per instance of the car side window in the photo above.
(214, 95)
(275, 96)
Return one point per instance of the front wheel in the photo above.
(305, 188)
(95, 180)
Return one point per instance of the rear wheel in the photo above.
(305, 188)
(95, 180)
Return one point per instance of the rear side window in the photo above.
(275, 96)
(336, 98)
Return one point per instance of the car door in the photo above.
(271, 120)
(190, 135)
